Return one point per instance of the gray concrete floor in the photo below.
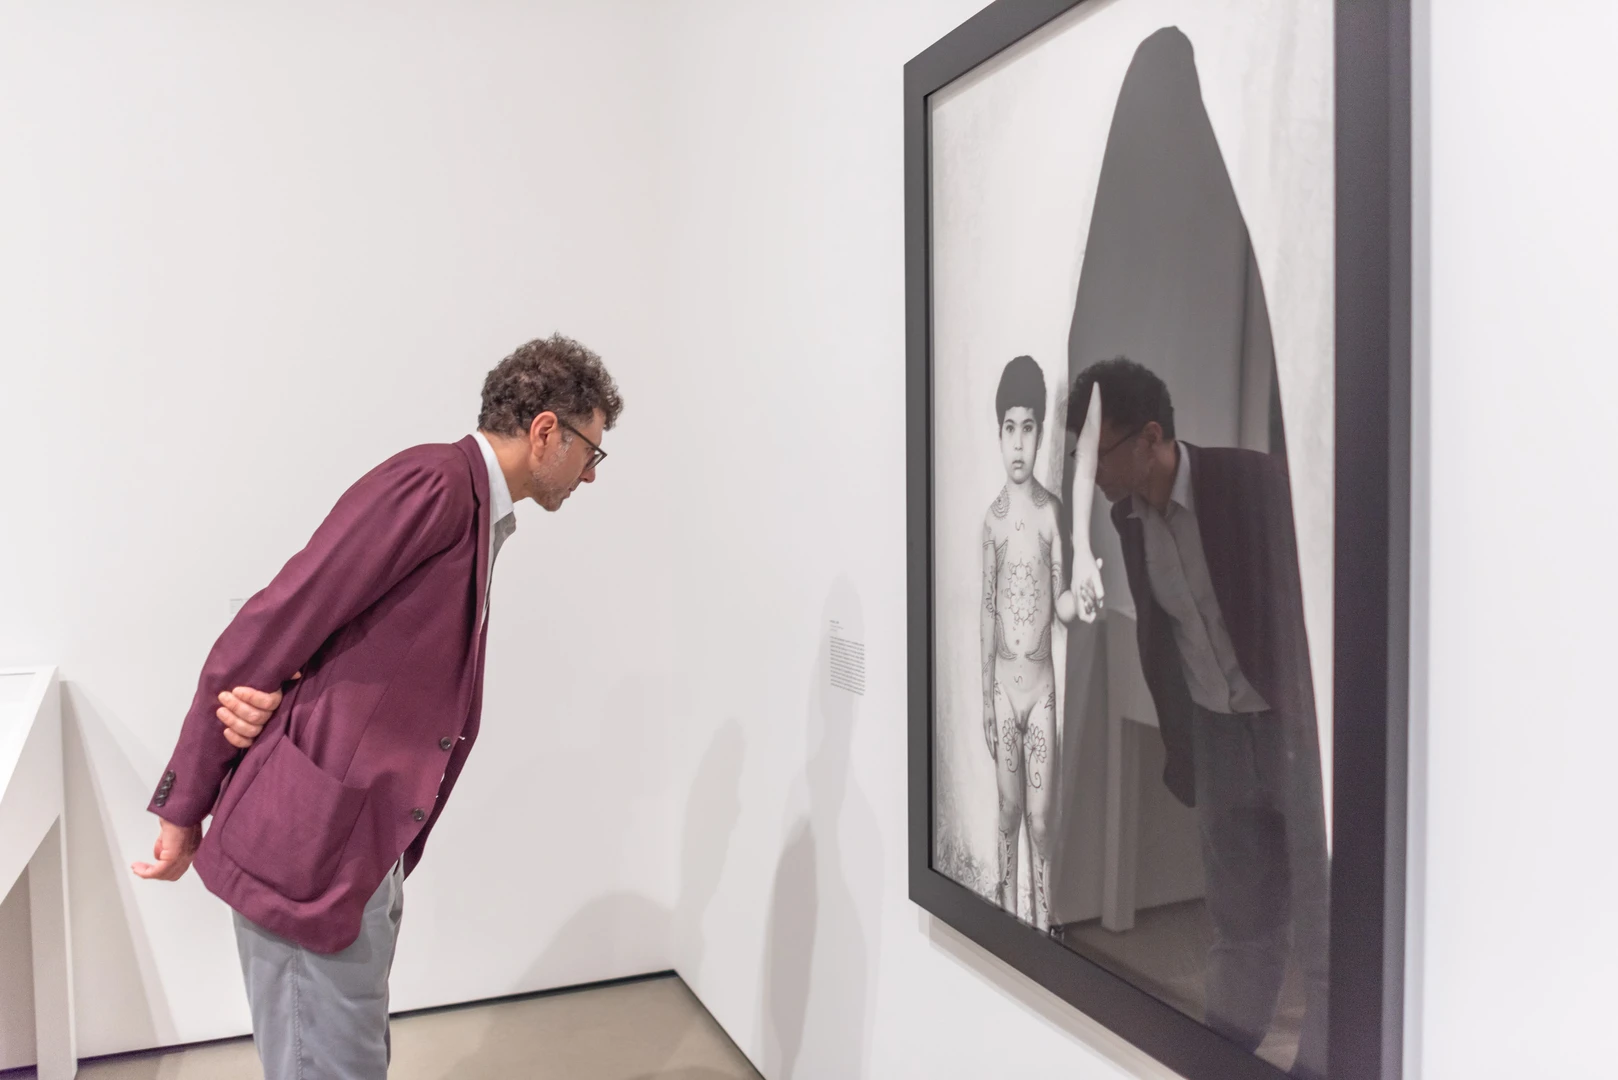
(651, 1029)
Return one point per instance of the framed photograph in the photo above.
(1158, 444)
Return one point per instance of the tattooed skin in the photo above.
(988, 581)
(1042, 909)
(1042, 651)
(1001, 649)
(1038, 750)
(1008, 862)
(1010, 744)
(1023, 592)
(1022, 565)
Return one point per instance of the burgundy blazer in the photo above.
(1244, 515)
(380, 611)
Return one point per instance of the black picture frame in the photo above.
(1371, 570)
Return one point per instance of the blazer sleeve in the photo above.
(388, 523)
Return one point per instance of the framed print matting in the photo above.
(1158, 397)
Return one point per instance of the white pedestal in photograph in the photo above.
(1150, 845)
(32, 842)
(1129, 709)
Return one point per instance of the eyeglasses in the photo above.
(1073, 453)
(597, 455)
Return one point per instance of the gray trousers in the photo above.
(324, 1016)
(1262, 820)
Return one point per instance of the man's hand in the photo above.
(244, 712)
(175, 847)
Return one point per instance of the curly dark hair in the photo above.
(554, 374)
(1131, 396)
(1022, 383)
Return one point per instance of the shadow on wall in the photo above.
(817, 963)
(712, 809)
(16, 978)
(114, 968)
(117, 992)
(1099, 1040)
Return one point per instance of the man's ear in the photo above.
(1152, 432)
(541, 430)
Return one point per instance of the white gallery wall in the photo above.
(245, 254)
(785, 278)
(1516, 967)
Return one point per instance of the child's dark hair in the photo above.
(1022, 383)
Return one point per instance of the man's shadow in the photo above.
(712, 809)
(816, 962)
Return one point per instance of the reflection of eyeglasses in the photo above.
(1073, 453)
(597, 455)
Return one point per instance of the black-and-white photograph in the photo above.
(1132, 398)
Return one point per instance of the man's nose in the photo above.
(589, 475)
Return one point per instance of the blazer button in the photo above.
(161, 799)
(418, 813)
(445, 743)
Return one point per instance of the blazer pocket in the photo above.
(292, 824)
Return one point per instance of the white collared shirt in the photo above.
(1177, 568)
(501, 507)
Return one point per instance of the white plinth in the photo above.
(32, 841)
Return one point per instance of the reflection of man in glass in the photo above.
(1211, 558)
(1022, 573)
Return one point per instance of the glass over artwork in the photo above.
(1132, 380)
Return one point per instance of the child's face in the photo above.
(1019, 441)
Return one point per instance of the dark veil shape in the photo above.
(1169, 279)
